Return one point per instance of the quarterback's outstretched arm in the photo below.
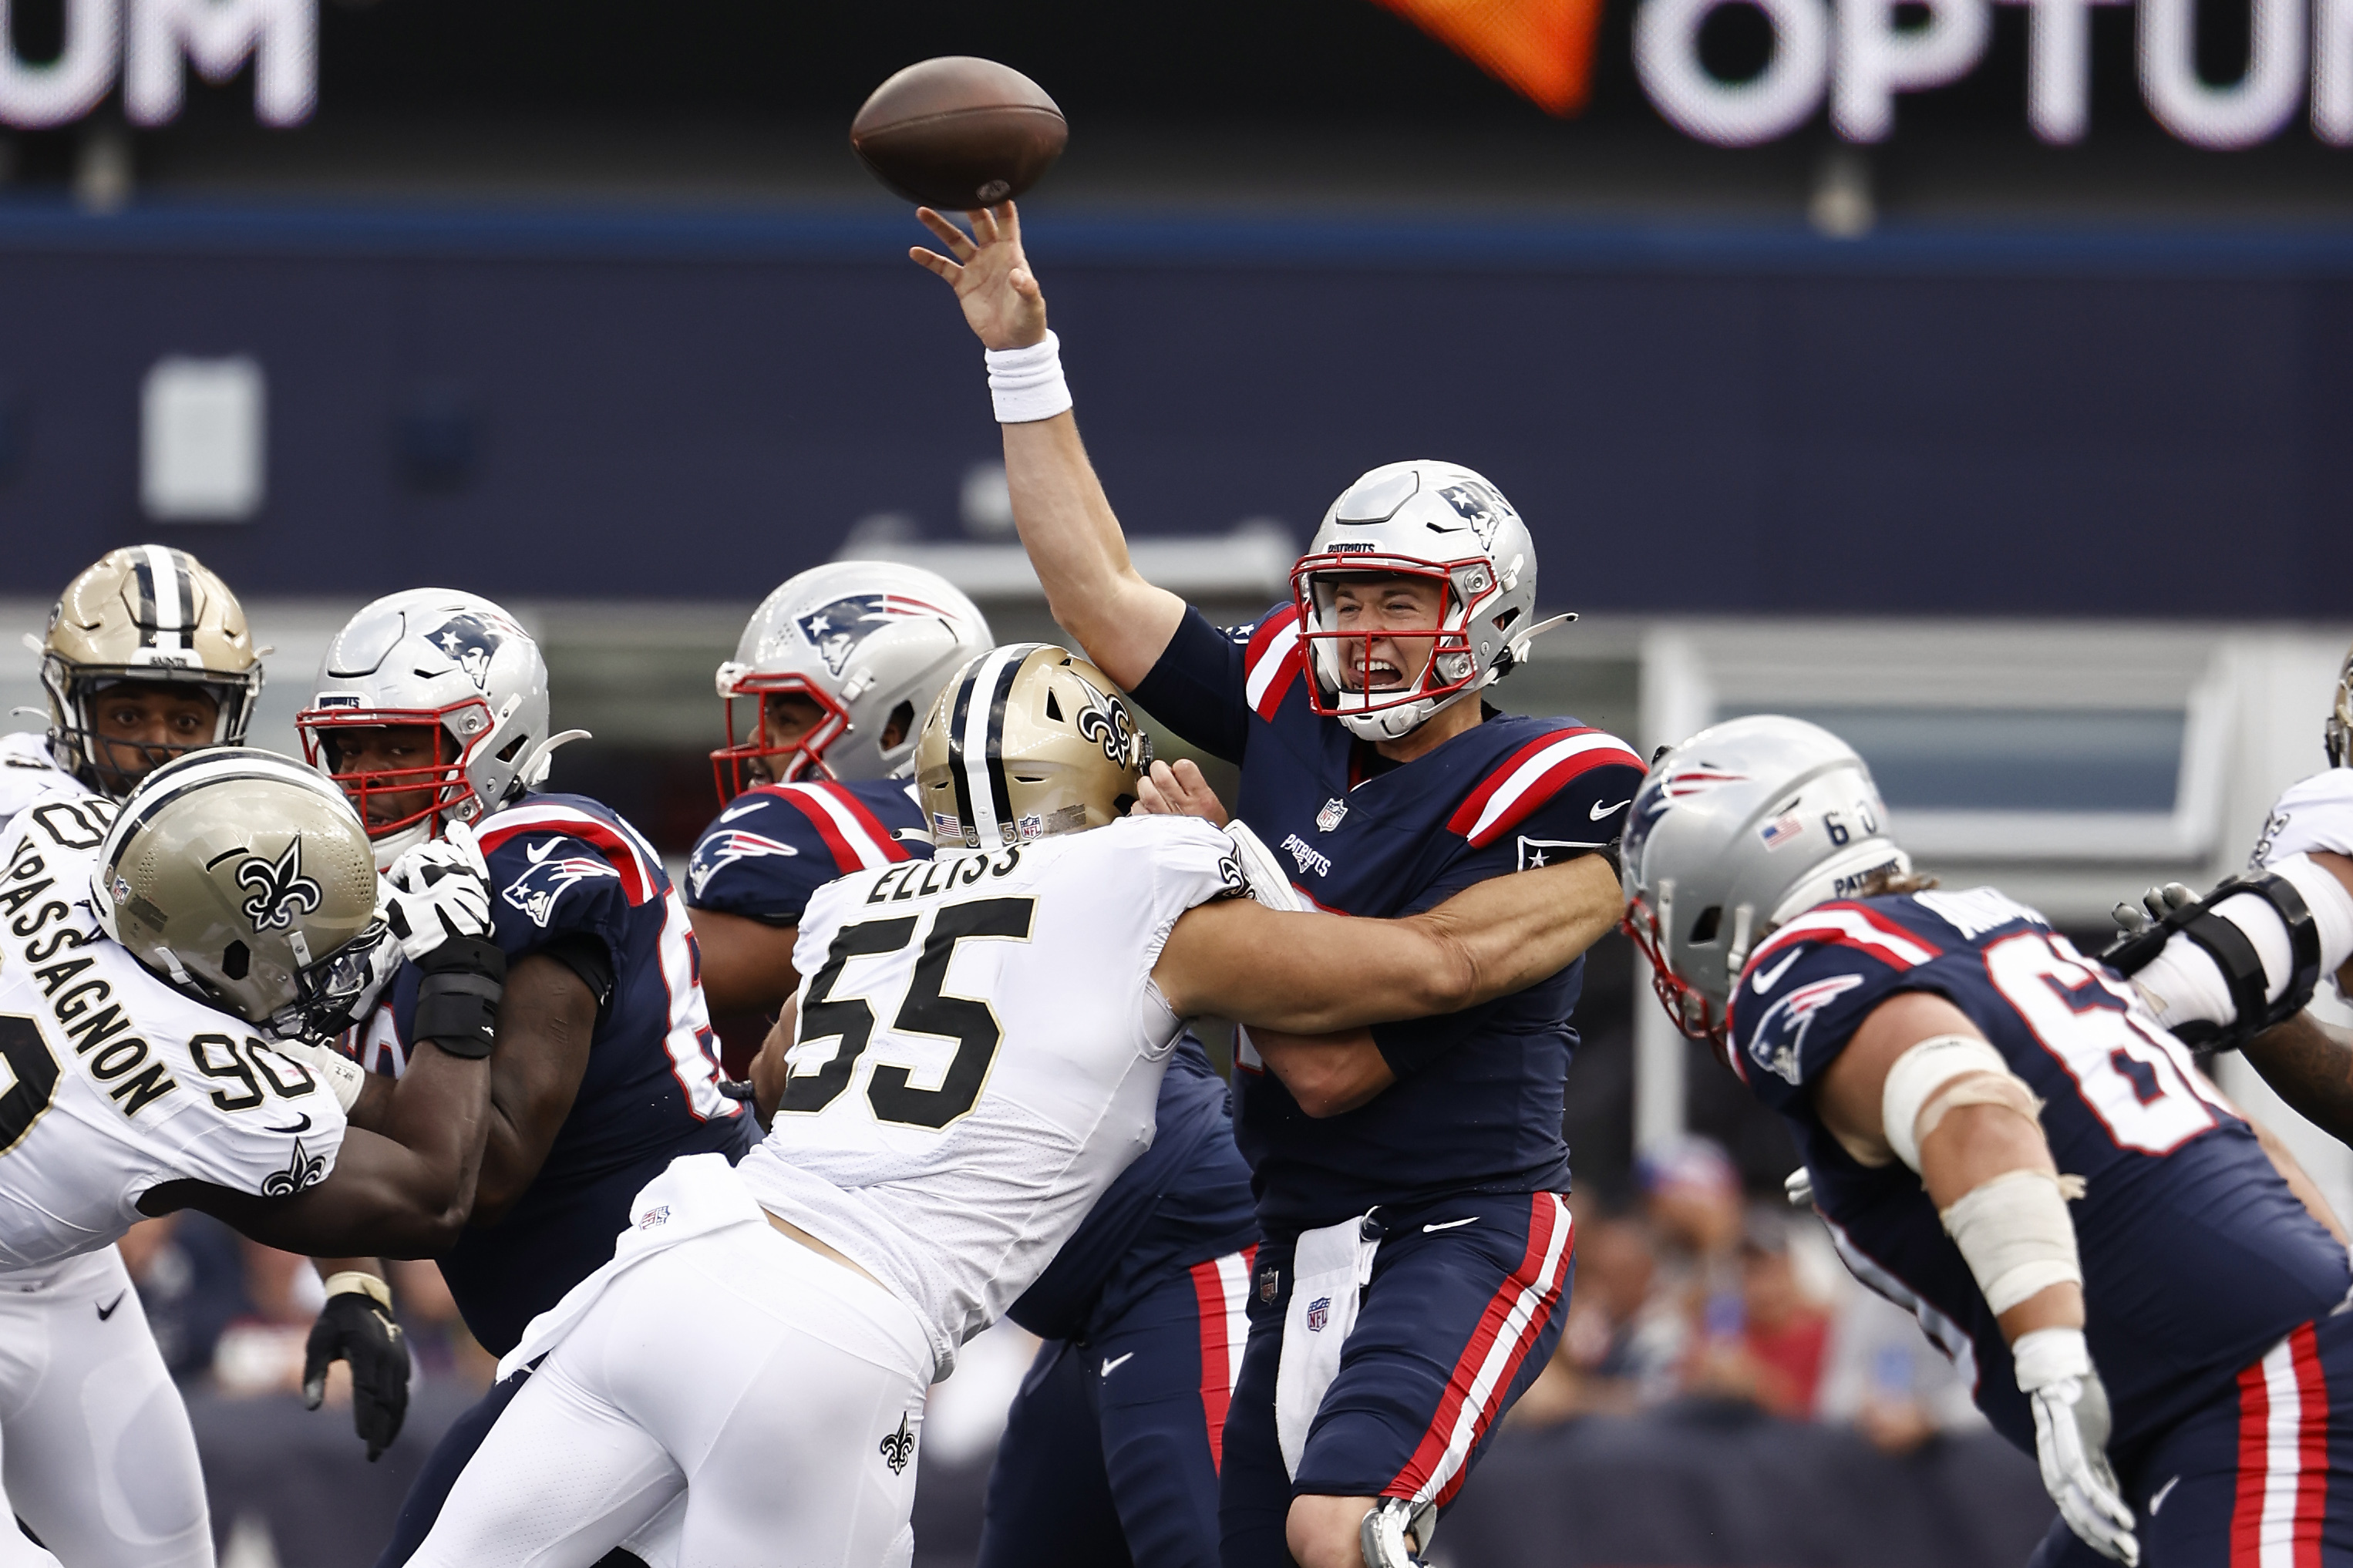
(1314, 973)
(1065, 521)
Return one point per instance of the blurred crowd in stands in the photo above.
(1694, 1295)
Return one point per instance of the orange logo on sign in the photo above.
(1542, 49)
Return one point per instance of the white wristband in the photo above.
(2047, 1355)
(1026, 384)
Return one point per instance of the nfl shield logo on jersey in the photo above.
(1329, 818)
(1319, 1312)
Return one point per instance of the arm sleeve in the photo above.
(556, 892)
(1797, 1006)
(761, 860)
(1200, 687)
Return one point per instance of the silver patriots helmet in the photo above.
(438, 658)
(1742, 827)
(1436, 521)
(868, 642)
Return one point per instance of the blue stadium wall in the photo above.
(685, 406)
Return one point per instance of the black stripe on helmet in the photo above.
(143, 575)
(181, 562)
(956, 747)
(1000, 793)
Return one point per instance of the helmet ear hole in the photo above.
(510, 751)
(236, 960)
(1122, 805)
(1054, 708)
(1704, 928)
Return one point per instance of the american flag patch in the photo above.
(1780, 830)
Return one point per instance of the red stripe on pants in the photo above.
(2312, 1446)
(2254, 1466)
(1546, 1212)
(1218, 1355)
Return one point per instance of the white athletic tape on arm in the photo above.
(345, 1077)
(2015, 1236)
(2331, 906)
(1026, 384)
(2047, 1355)
(1916, 1077)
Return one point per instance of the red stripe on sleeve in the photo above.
(846, 857)
(1217, 1383)
(1294, 659)
(882, 836)
(588, 830)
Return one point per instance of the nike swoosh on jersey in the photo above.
(1448, 1225)
(1596, 811)
(1114, 1365)
(108, 1310)
(732, 811)
(538, 853)
(1766, 978)
(301, 1124)
(2156, 1499)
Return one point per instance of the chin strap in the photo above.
(1383, 1536)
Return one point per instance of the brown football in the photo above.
(957, 132)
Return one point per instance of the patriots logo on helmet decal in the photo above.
(835, 630)
(545, 878)
(1480, 507)
(470, 641)
(722, 850)
(1780, 1043)
(280, 889)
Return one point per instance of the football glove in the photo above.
(356, 1326)
(439, 890)
(2071, 1439)
(2156, 903)
(1396, 1533)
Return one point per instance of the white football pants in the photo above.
(95, 1449)
(779, 1391)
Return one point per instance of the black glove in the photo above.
(356, 1326)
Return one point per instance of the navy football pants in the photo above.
(1111, 1451)
(1465, 1305)
(2260, 1478)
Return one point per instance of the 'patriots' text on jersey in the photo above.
(1479, 1108)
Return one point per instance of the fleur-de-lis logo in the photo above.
(898, 1448)
(1107, 722)
(280, 889)
(304, 1169)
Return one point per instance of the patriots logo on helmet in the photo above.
(1480, 507)
(1779, 1043)
(470, 641)
(280, 889)
(546, 878)
(835, 630)
(722, 850)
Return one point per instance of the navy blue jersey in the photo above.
(1482, 1110)
(1186, 1198)
(568, 876)
(2197, 1256)
(776, 845)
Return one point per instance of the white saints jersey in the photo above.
(26, 769)
(979, 1054)
(2313, 813)
(111, 1081)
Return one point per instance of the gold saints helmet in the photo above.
(245, 882)
(2337, 735)
(151, 614)
(1025, 742)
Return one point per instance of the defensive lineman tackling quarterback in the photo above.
(1409, 1178)
(974, 1057)
(1959, 1077)
(1112, 1448)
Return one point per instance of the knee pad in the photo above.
(1382, 1537)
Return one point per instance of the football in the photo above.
(957, 132)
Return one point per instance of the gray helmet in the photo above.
(2337, 734)
(867, 641)
(1429, 519)
(244, 880)
(441, 658)
(1743, 827)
